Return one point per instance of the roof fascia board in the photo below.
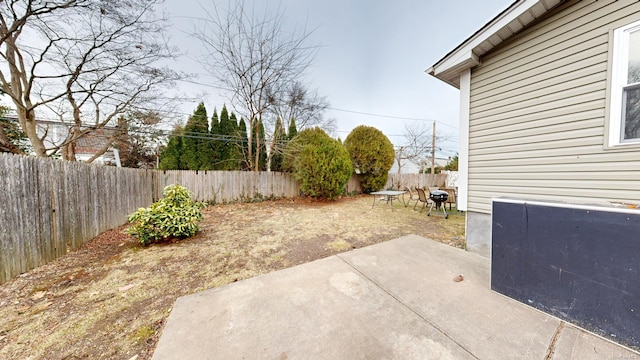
(464, 52)
(463, 61)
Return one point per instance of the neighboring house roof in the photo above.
(467, 55)
(95, 141)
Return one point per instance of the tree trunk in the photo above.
(27, 120)
(68, 151)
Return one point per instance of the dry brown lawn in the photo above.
(111, 298)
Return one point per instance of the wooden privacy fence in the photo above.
(228, 186)
(401, 181)
(50, 207)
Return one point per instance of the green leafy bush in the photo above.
(320, 163)
(173, 216)
(372, 156)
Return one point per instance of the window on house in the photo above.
(625, 86)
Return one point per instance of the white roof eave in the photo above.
(506, 24)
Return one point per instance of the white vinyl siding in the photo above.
(538, 109)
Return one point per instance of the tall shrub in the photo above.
(372, 156)
(321, 164)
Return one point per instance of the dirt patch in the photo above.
(111, 298)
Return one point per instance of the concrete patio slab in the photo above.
(394, 300)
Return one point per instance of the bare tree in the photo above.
(255, 57)
(304, 105)
(417, 144)
(85, 62)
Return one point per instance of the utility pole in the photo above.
(433, 150)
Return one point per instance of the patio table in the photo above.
(387, 195)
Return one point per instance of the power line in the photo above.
(338, 109)
(392, 116)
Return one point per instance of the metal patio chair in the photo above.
(412, 197)
(423, 198)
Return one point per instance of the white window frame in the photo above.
(619, 72)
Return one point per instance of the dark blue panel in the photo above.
(580, 265)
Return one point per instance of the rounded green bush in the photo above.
(372, 156)
(175, 215)
(298, 143)
(321, 164)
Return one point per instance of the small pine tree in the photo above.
(293, 131)
(170, 157)
(277, 147)
(215, 142)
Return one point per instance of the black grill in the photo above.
(438, 197)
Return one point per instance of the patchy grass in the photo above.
(111, 298)
(339, 245)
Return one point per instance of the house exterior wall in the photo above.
(537, 113)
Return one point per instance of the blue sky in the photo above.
(372, 58)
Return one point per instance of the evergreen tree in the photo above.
(452, 165)
(235, 145)
(262, 155)
(372, 156)
(170, 157)
(277, 146)
(196, 150)
(215, 142)
(320, 163)
(293, 131)
(207, 149)
(244, 145)
(226, 134)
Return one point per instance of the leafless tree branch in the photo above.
(87, 59)
(417, 144)
(254, 56)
